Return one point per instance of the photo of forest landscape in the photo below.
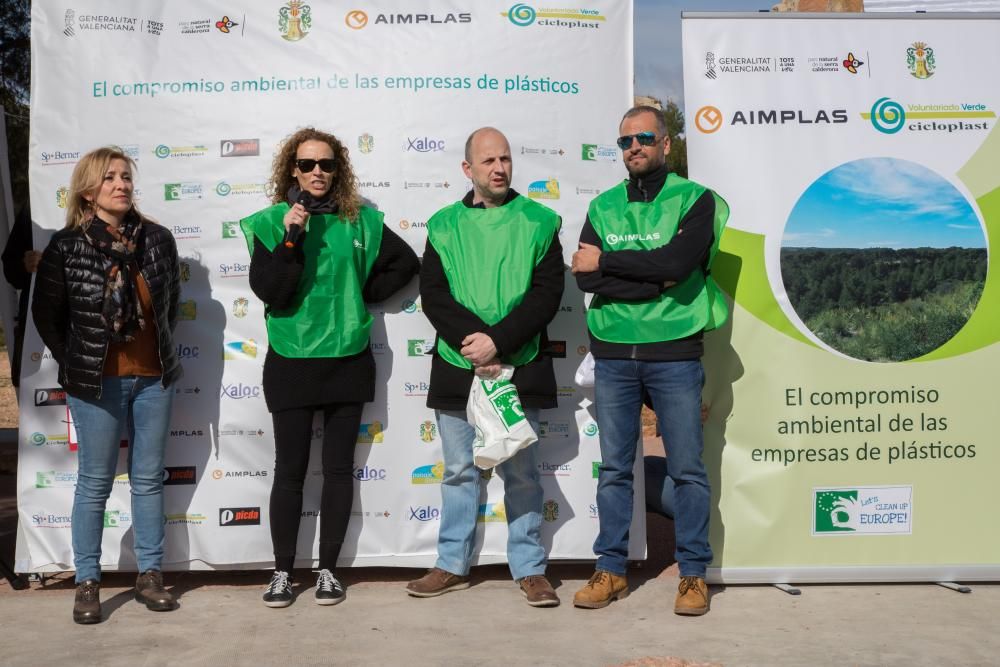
(883, 259)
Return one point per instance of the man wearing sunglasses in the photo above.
(490, 282)
(645, 252)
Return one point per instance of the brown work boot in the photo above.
(436, 582)
(602, 588)
(692, 597)
(539, 591)
(87, 605)
(149, 590)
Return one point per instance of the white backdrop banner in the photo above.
(200, 94)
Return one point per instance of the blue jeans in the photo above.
(145, 404)
(675, 388)
(460, 500)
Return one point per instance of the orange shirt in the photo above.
(141, 355)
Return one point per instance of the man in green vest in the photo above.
(491, 281)
(645, 251)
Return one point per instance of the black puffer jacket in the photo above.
(69, 293)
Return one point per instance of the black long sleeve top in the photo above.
(18, 243)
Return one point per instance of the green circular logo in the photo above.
(223, 189)
(521, 14)
(887, 115)
(162, 151)
(37, 439)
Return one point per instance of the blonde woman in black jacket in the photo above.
(105, 304)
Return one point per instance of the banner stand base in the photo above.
(955, 587)
(788, 588)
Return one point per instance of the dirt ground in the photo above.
(8, 403)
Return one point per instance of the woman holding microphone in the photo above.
(317, 256)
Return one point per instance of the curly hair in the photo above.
(343, 190)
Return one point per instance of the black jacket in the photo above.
(69, 295)
(18, 243)
(640, 275)
(535, 381)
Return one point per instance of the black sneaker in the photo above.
(279, 591)
(328, 589)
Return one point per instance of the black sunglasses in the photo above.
(644, 139)
(306, 165)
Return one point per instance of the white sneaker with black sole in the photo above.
(328, 589)
(279, 591)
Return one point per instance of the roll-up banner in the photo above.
(199, 94)
(852, 435)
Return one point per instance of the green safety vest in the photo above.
(327, 317)
(692, 305)
(489, 256)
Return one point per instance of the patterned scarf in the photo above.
(121, 313)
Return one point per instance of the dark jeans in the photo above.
(675, 388)
(292, 442)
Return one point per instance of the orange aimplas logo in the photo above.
(708, 119)
(356, 19)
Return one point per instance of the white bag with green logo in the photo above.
(495, 411)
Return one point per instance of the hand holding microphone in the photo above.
(295, 221)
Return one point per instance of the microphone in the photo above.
(295, 231)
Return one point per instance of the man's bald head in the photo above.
(488, 165)
(476, 133)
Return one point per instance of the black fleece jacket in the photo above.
(640, 275)
(535, 381)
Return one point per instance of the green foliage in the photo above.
(15, 82)
(818, 279)
(673, 116)
(881, 304)
(15, 58)
(899, 331)
(677, 158)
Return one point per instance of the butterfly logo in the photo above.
(225, 24)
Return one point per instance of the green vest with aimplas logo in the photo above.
(327, 317)
(489, 256)
(692, 305)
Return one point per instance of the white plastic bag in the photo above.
(585, 372)
(495, 411)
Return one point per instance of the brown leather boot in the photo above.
(602, 588)
(87, 605)
(692, 597)
(149, 590)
